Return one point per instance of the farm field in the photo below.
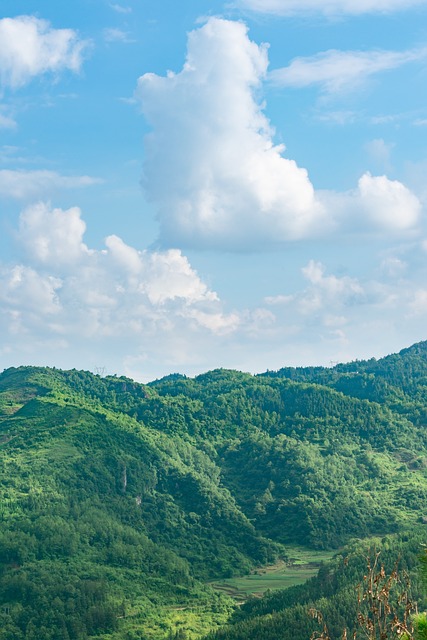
(301, 565)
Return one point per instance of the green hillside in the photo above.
(121, 501)
(285, 615)
(100, 513)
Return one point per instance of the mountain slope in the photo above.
(93, 495)
(120, 498)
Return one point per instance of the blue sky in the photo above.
(206, 184)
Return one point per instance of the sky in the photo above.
(211, 183)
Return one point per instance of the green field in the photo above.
(301, 565)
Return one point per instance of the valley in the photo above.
(301, 565)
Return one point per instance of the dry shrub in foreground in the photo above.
(386, 609)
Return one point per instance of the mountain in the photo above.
(315, 456)
(95, 505)
(120, 500)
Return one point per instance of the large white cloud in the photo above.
(210, 163)
(211, 166)
(335, 70)
(30, 47)
(327, 7)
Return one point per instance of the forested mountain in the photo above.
(120, 500)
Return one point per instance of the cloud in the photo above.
(53, 236)
(6, 122)
(380, 151)
(327, 7)
(148, 312)
(418, 304)
(62, 290)
(378, 204)
(163, 276)
(117, 35)
(393, 267)
(30, 47)
(341, 317)
(24, 185)
(341, 117)
(388, 204)
(326, 294)
(211, 165)
(120, 8)
(327, 291)
(335, 71)
(24, 291)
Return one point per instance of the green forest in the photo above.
(123, 505)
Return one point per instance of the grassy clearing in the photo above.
(301, 565)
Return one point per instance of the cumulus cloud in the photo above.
(388, 204)
(211, 165)
(52, 236)
(30, 47)
(25, 185)
(64, 290)
(378, 204)
(24, 291)
(327, 7)
(148, 312)
(336, 71)
(162, 276)
(212, 169)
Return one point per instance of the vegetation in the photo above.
(341, 594)
(121, 502)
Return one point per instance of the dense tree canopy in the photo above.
(120, 498)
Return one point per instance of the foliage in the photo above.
(119, 499)
(371, 602)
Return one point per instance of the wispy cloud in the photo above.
(6, 122)
(120, 8)
(380, 152)
(23, 185)
(335, 71)
(117, 35)
(327, 7)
